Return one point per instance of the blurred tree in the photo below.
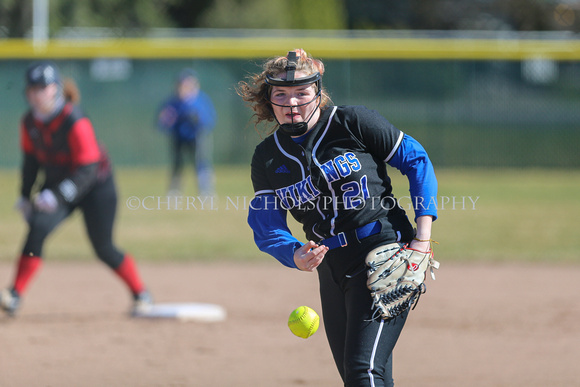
(186, 14)
(491, 15)
(377, 14)
(130, 17)
(124, 16)
(15, 19)
(275, 14)
(321, 14)
(245, 14)
(525, 15)
(133, 17)
(121, 16)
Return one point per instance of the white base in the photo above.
(186, 312)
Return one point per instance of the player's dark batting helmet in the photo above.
(42, 74)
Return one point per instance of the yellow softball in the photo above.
(303, 322)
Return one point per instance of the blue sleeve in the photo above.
(271, 233)
(412, 160)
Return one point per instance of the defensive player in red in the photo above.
(327, 166)
(58, 140)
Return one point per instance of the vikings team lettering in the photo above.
(297, 194)
(340, 166)
(354, 193)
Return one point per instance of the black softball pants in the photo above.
(179, 150)
(99, 207)
(361, 346)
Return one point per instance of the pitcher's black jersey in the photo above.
(336, 179)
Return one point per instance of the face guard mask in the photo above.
(295, 128)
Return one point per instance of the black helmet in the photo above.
(289, 80)
(42, 74)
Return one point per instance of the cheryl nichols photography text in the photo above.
(243, 203)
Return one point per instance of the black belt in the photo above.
(341, 239)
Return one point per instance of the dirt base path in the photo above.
(478, 325)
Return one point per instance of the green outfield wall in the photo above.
(471, 102)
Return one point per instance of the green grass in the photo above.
(519, 215)
(526, 215)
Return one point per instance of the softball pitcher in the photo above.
(327, 166)
(58, 141)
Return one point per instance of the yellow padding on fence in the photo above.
(339, 48)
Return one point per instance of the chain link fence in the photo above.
(480, 112)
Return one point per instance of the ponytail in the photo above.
(70, 91)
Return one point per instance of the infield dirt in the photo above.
(478, 325)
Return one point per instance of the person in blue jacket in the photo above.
(327, 166)
(188, 117)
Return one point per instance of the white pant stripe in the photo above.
(372, 360)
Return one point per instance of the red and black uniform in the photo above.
(77, 170)
(67, 151)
